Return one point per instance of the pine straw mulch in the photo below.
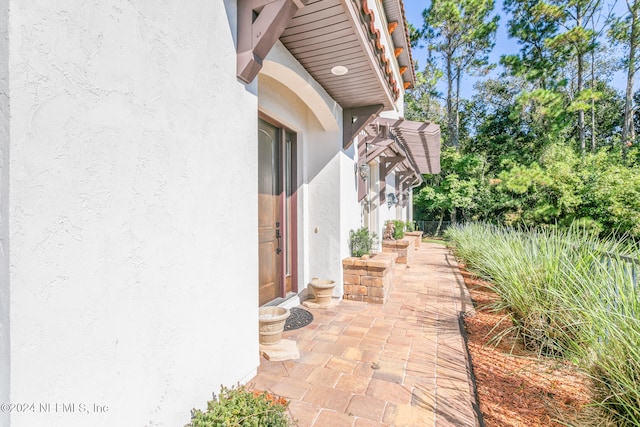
(516, 388)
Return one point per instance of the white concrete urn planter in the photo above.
(272, 320)
(322, 290)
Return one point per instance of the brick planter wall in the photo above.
(417, 235)
(404, 248)
(368, 280)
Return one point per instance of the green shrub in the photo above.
(410, 226)
(398, 232)
(240, 406)
(361, 241)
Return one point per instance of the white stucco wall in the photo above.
(133, 210)
(4, 210)
(351, 215)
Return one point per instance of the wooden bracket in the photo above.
(354, 121)
(388, 163)
(402, 177)
(260, 25)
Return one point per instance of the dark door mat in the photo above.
(298, 318)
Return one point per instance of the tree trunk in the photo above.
(593, 102)
(457, 108)
(450, 116)
(580, 55)
(437, 233)
(581, 121)
(627, 129)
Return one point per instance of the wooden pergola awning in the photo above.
(420, 141)
(407, 148)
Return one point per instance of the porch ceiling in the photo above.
(328, 33)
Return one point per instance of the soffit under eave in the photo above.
(320, 34)
(327, 33)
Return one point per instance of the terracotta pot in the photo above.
(322, 290)
(272, 320)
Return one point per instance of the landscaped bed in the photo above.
(565, 318)
(516, 388)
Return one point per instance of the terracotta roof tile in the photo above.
(377, 39)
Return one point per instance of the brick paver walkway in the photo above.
(403, 363)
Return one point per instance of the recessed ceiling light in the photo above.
(339, 70)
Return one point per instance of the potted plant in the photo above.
(366, 279)
(395, 241)
(399, 227)
(272, 320)
(361, 242)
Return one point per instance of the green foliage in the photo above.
(536, 62)
(422, 102)
(462, 33)
(361, 241)
(455, 188)
(599, 190)
(398, 229)
(570, 294)
(240, 406)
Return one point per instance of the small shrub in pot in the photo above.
(361, 242)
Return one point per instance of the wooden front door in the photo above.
(276, 212)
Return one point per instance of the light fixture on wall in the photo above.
(363, 170)
(392, 200)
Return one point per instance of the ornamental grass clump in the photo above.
(240, 406)
(526, 270)
(569, 294)
(607, 302)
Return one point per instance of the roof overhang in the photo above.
(330, 33)
(323, 34)
(394, 11)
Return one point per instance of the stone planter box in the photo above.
(417, 235)
(368, 280)
(404, 248)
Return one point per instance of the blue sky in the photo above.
(504, 44)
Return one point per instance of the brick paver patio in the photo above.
(403, 363)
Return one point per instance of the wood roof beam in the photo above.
(260, 25)
(380, 148)
(355, 119)
(390, 162)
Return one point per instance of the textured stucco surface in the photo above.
(133, 167)
(4, 209)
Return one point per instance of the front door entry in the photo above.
(276, 212)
